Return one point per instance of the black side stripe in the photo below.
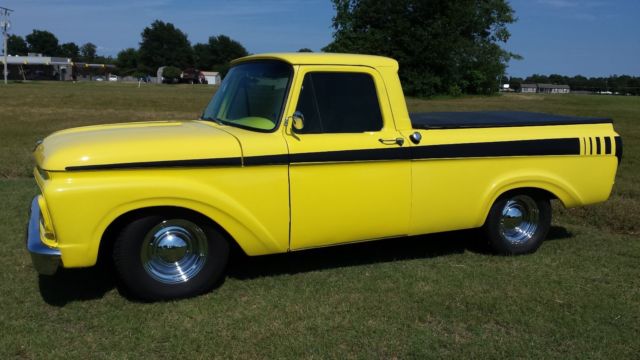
(569, 146)
(607, 145)
(598, 146)
(353, 155)
(619, 149)
(591, 146)
(234, 161)
(266, 160)
(544, 147)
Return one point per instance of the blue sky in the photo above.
(569, 37)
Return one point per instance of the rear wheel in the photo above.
(161, 257)
(518, 223)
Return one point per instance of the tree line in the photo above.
(162, 44)
(621, 84)
(46, 43)
(443, 46)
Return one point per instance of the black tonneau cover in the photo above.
(483, 119)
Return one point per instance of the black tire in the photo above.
(150, 273)
(518, 222)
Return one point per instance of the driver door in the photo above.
(350, 173)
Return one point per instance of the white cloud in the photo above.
(559, 3)
(569, 4)
(573, 9)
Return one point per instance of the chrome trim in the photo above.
(43, 173)
(174, 251)
(38, 143)
(520, 219)
(297, 121)
(45, 260)
(415, 138)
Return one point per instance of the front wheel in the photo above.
(518, 223)
(162, 257)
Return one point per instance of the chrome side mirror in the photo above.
(415, 138)
(297, 121)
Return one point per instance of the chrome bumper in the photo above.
(45, 260)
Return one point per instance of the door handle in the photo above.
(397, 141)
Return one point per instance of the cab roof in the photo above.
(323, 59)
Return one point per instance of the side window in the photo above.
(336, 102)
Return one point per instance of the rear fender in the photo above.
(558, 187)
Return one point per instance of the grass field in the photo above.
(423, 297)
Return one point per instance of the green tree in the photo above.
(515, 83)
(69, 50)
(224, 49)
(218, 52)
(43, 42)
(537, 79)
(163, 44)
(558, 79)
(88, 52)
(203, 56)
(105, 60)
(17, 45)
(128, 61)
(307, 50)
(171, 74)
(633, 86)
(579, 83)
(442, 46)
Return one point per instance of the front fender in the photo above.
(256, 219)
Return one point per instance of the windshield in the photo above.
(251, 96)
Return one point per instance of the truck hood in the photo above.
(136, 145)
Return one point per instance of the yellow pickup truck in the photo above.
(298, 151)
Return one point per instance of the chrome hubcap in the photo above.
(520, 219)
(174, 251)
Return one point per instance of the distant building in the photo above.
(544, 89)
(553, 89)
(39, 67)
(213, 78)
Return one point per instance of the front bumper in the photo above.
(45, 259)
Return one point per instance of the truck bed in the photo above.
(484, 119)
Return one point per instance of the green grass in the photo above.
(424, 297)
(31, 111)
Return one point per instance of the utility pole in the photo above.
(5, 24)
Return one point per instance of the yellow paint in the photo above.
(275, 208)
(251, 203)
(135, 142)
(344, 202)
(324, 59)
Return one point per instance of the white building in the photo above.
(213, 77)
(553, 89)
(544, 89)
(39, 67)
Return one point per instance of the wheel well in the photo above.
(112, 231)
(535, 192)
(532, 191)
